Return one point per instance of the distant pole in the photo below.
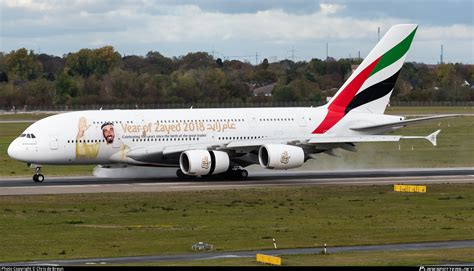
(256, 58)
(441, 55)
(327, 51)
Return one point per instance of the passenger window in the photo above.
(33, 136)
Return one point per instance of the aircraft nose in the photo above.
(14, 150)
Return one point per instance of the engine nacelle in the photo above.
(279, 156)
(202, 162)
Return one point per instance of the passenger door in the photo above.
(252, 121)
(53, 142)
(302, 121)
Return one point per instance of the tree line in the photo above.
(103, 76)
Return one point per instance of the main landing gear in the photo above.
(233, 173)
(38, 177)
(238, 173)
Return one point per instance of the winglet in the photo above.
(432, 137)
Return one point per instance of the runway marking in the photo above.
(151, 184)
(224, 257)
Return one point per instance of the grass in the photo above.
(126, 224)
(455, 145)
(24, 116)
(389, 258)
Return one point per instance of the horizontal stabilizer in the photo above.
(353, 139)
(399, 124)
(431, 137)
(369, 138)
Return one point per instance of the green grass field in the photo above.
(125, 224)
(455, 147)
(24, 116)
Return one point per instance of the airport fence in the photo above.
(80, 107)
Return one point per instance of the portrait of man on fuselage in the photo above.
(108, 132)
(89, 147)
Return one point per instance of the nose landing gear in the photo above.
(37, 177)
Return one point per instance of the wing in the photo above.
(246, 150)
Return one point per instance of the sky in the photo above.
(247, 30)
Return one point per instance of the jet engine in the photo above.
(279, 156)
(203, 162)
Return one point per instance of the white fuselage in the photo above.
(57, 139)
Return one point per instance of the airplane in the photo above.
(203, 142)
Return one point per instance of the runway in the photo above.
(251, 253)
(87, 184)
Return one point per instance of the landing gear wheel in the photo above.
(38, 178)
(237, 173)
(244, 174)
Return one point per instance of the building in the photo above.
(264, 90)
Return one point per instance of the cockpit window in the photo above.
(28, 135)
